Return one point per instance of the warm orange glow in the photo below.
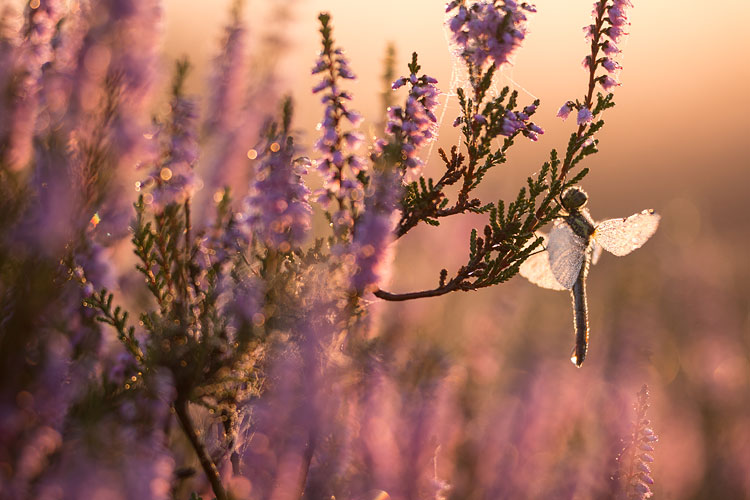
(95, 220)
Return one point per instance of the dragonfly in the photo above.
(573, 245)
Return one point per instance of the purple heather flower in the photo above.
(137, 463)
(515, 122)
(233, 116)
(584, 116)
(608, 83)
(488, 31)
(399, 83)
(121, 45)
(533, 131)
(30, 56)
(95, 265)
(173, 179)
(615, 33)
(414, 124)
(610, 48)
(246, 300)
(613, 21)
(227, 80)
(278, 207)
(374, 230)
(511, 124)
(565, 110)
(617, 16)
(32, 413)
(588, 31)
(610, 65)
(333, 161)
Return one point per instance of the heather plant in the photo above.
(243, 361)
(636, 458)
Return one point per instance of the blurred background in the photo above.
(674, 315)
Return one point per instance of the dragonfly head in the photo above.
(574, 198)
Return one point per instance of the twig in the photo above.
(209, 467)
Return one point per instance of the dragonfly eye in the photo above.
(573, 198)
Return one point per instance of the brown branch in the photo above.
(209, 467)
(399, 297)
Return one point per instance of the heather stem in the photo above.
(188, 227)
(595, 38)
(209, 467)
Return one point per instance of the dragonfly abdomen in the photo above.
(580, 316)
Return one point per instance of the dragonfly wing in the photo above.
(537, 270)
(622, 236)
(596, 252)
(567, 252)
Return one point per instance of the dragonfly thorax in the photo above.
(581, 223)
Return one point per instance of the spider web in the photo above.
(460, 78)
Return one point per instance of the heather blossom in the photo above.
(518, 121)
(227, 79)
(228, 123)
(374, 230)
(635, 460)
(610, 20)
(172, 178)
(511, 122)
(279, 213)
(32, 54)
(413, 125)
(488, 30)
(333, 66)
(116, 60)
(584, 116)
(566, 109)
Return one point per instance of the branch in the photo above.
(209, 467)
(456, 283)
(399, 297)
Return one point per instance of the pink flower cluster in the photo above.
(172, 178)
(414, 124)
(488, 30)
(374, 230)
(279, 212)
(23, 70)
(612, 28)
(610, 23)
(518, 121)
(333, 65)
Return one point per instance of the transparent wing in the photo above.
(566, 251)
(622, 236)
(537, 270)
(596, 252)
